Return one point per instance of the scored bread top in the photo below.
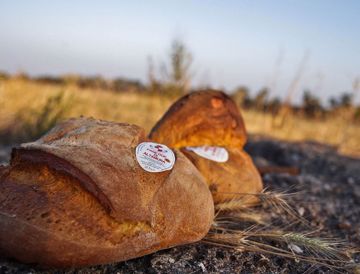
(201, 118)
(101, 155)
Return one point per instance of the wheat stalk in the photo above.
(226, 231)
(323, 252)
(276, 200)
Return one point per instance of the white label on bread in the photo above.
(154, 157)
(216, 154)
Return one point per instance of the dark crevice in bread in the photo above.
(61, 165)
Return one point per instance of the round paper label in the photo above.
(154, 157)
(217, 154)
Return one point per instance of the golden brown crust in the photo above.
(51, 216)
(201, 118)
(231, 179)
(33, 156)
(95, 147)
(211, 118)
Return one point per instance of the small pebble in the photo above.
(202, 266)
(301, 211)
(345, 225)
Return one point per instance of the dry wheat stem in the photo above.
(277, 200)
(326, 252)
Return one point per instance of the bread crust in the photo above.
(236, 177)
(211, 118)
(77, 197)
(200, 118)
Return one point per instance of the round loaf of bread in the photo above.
(78, 197)
(201, 118)
(211, 118)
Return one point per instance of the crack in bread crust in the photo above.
(61, 165)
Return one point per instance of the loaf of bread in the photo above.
(201, 118)
(211, 118)
(78, 196)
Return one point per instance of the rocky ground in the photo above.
(329, 199)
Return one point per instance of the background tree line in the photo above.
(310, 106)
(172, 77)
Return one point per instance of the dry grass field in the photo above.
(28, 108)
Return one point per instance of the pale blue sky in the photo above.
(233, 42)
